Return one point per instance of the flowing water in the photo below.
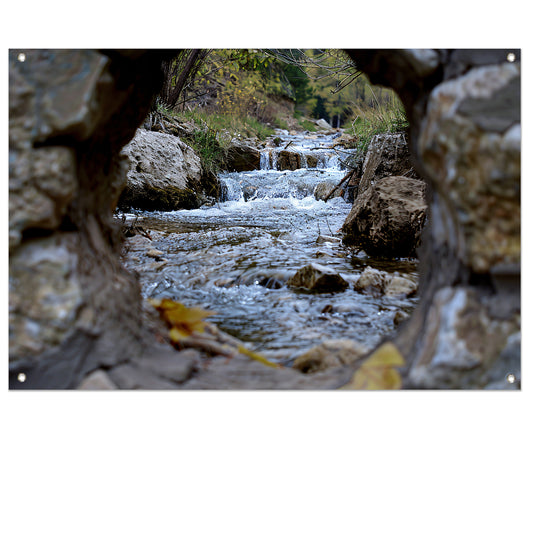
(235, 258)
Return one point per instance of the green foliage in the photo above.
(368, 121)
(205, 143)
(307, 125)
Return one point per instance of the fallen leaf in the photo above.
(182, 320)
(378, 372)
(256, 357)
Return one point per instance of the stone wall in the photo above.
(464, 111)
(74, 309)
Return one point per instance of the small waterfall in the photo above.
(302, 159)
(306, 151)
(264, 163)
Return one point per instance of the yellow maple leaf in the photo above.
(182, 320)
(378, 372)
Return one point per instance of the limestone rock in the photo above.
(387, 219)
(164, 174)
(45, 297)
(329, 354)
(318, 278)
(463, 344)
(471, 143)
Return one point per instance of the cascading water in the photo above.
(235, 258)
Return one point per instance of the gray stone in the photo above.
(503, 112)
(318, 278)
(164, 173)
(324, 191)
(97, 380)
(321, 123)
(172, 365)
(378, 283)
(45, 296)
(128, 376)
(423, 60)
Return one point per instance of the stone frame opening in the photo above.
(74, 310)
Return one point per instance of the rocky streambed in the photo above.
(269, 260)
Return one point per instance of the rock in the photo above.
(165, 174)
(329, 354)
(399, 317)
(241, 157)
(371, 281)
(249, 192)
(129, 376)
(312, 161)
(97, 380)
(324, 189)
(289, 160)
(153, 252)
(172, 365)
(480, 114)
(399, 286)
(327, 238)
(321, 123)
(466, 344)
(387, 219)
(47, 300)
(345, 141)
(423, 60)
(387, 155)
(379, 283)
(318, 278)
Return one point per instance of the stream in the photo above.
(235, 257)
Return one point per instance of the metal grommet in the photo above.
(511, 378)
(511, 57)
(21, 57)
(21, 377)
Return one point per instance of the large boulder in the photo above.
(387, 219)
(165, 174)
